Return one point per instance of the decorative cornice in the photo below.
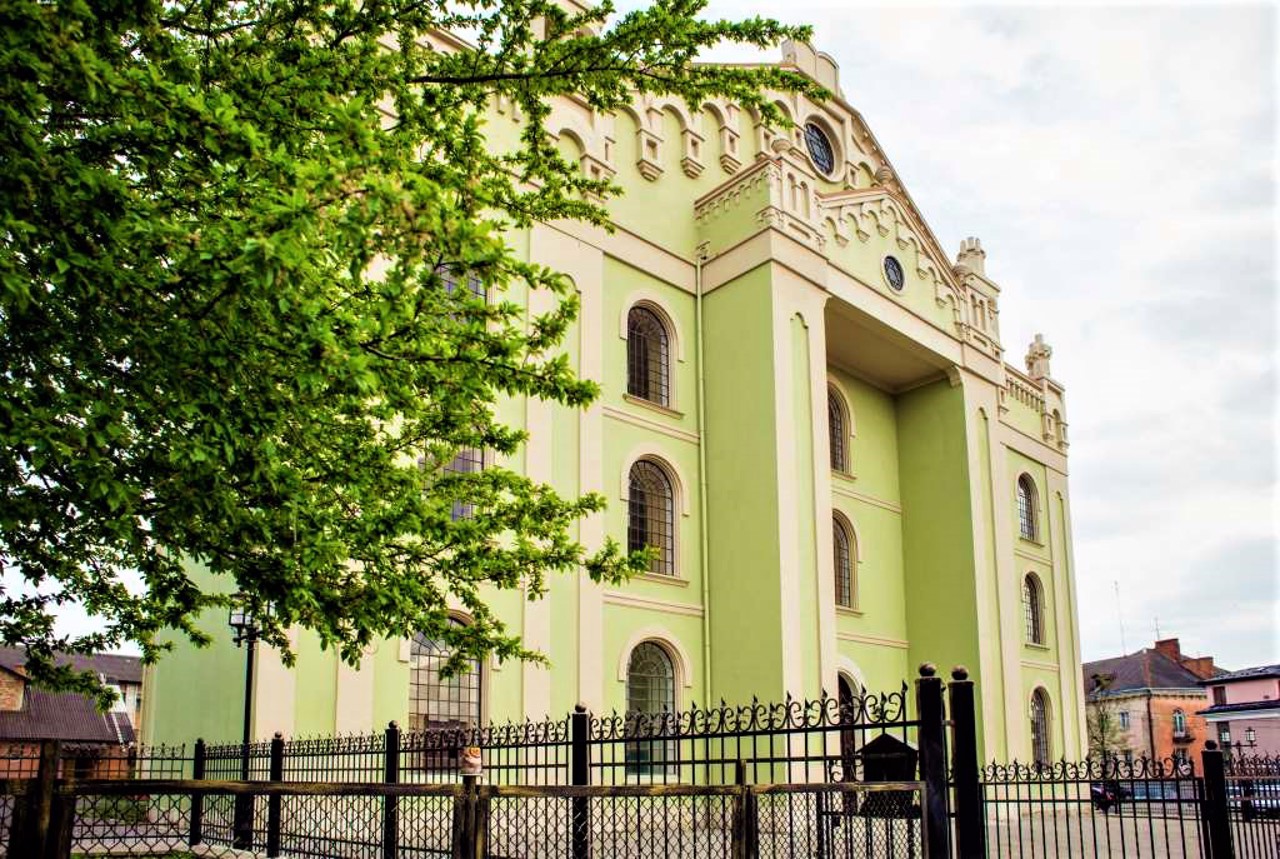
(865, 498)
(877, 640)
(645, 423)
(652, 604)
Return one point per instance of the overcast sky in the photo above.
(1119, 165)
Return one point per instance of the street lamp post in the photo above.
(242, 622)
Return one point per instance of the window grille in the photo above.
(437, 703)
(474, 286)
(1026, 508)
(647, 357)
(839, 435)
(651, 515)
(843, 556)
(651, 693)
(468, 461)
(1033, 609)
(1040, 727)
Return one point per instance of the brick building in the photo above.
(95, 741)
(1154, 698)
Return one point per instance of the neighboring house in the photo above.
(1244, 710)
(95, 741)
(1151, 701)
(865, 486)
(121, 672)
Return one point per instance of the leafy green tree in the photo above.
(1107, 738)
(231, 317)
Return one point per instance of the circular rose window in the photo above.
(893, 273)
(820, 149)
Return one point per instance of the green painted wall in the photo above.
(937, 527)
(742, 489)
(198, 692)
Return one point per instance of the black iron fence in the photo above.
(864, 776)
(471, 821)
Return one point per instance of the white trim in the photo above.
(649, 424)
(668, 642)
(651, 604)
(862, 496)
(877, 640)
(1042, 666)
(849, 668)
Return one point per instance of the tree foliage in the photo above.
(230, 326)
(1107, 737)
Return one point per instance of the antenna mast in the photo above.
(1124, 648)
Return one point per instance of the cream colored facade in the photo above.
(771, 281)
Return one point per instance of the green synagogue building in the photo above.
(805, 408)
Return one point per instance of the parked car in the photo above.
(1253, 798)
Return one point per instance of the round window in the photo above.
(820, 150)
(893, 273)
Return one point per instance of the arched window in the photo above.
(1033, 609)
(848, 738)
(1040, 750)
(838, 430)
(647, 357)
(450, 275)
(436, 703)
(651, 700)
(651, 515)
(1179, 722)
(1027, 507)
(843, 557)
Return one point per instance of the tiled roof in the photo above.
(1146, 669)
(1246, 674)
(63, 716)
(1242, 707)
(115, 667)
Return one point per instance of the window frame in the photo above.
(1041, 727)
(1028, 503)
(648, 311)
(842, 528)
(420, 721)
(839, 431)
(667, 751)
(666, 564)
(1033, 610)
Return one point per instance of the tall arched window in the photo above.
(1033, 609)
(435, 702)
(843, 556)
(647, 357)
(468, 461)
(838, 430)
(1027, 507)
(651, 699)
(1040, 750)
(651, 515)
(1179, 722)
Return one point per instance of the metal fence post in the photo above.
(933, 762)
(741, 831)
(276, 774)
(30, 831)
(971, 829)
(391, 804)
(1217, 820)
(580, 775)
(196, 833)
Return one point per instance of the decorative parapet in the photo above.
(776, 192)
(1042, 396)
(859, 214)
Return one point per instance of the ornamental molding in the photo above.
(861, 213)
